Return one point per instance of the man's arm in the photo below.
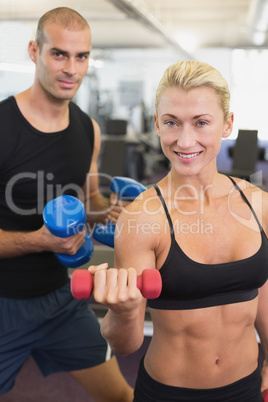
(16, 244)
(98, 208)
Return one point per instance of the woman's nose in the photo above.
(186, 138)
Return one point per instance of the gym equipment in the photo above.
(265, 396)
(126, 189)
(65, 216)
(149, 283)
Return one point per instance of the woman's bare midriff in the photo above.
(203, 348)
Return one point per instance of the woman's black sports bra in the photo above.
(187, 284)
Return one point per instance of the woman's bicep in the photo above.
(134, 246)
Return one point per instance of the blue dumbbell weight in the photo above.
(65, 216)
(126, 189)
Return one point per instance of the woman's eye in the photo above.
(170, 123)
(202, 123)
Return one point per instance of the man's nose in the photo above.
(69, 66)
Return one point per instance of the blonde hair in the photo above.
(193, 74)
(64, 16)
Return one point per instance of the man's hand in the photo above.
(116, 206)
(62, 245)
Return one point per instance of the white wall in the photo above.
(133, 65)
(12, 83)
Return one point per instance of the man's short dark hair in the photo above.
(64, 16)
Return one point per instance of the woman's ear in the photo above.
(156, 124)
(228, 127)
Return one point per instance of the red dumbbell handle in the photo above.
(149, 283)
(265, 396)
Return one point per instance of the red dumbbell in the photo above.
(265, 396)
(149, 283)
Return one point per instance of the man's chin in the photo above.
(67, 96)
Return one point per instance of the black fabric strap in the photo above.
(166, 210)
(247, 202)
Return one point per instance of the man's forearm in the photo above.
(16, 244)
(97, 209)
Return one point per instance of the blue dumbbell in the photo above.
(64, 216)
(126, 189)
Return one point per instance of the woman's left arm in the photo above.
(261, 325)
(262, 313)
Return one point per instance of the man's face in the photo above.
(62, 62)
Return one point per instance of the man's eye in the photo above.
(83, 56)
(57, 54)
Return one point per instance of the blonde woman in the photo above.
(205, 233)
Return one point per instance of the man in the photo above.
(50, 147)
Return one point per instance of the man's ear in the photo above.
(156, 124)
(33, 50)
(228, 127)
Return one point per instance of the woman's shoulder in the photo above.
(146, 202)
(143, 216)
(265, 211)
(258, 198)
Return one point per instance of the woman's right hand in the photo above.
(116, 288)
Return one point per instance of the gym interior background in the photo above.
(133, 42)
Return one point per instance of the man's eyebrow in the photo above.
(83, 53)
(65, 53)
(57, 50)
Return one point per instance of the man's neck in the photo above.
(43, 113)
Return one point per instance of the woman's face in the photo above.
(190, 125)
